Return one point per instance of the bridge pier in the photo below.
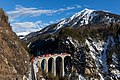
(54, 67)
(46, 66)
(63, 67)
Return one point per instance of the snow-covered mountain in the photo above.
(84, 17)
(91, 37)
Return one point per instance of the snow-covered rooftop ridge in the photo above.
(85, 11)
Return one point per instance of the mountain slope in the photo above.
(79, 19)
(14, 59)
(91, 37)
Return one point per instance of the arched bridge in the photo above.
(54, 63)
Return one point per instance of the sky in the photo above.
(33, 15)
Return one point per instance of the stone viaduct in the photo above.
(56, 60)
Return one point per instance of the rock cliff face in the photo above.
(14, 59)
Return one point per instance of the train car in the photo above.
(47, 55)
(32, 60)
(63, 53)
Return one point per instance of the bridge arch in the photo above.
(58, 63)
(43, 64)
(51, 65)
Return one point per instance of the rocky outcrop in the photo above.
(14, 59)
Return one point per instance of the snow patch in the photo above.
(22, 33)
(61, 24)
(25, 78)
(101, 77)
(29, 44)
(73, 42)
(91, 49)
(81, 77)
(114, 58)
